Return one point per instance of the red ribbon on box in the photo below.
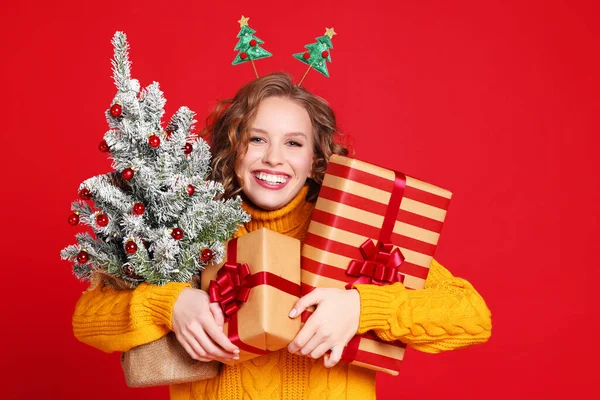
(379, 267)
(381, 262)
(232, 288)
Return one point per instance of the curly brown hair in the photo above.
(227, 129)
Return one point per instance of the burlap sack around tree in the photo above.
(162, 362)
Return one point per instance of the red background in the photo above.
(496, 101)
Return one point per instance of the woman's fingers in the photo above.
(209, 347)
(197, 345)
(315, 341)
(327, 327)
(334, 357)
(217, 313)
(313, 298)
(302, 338)
(320, 350)
(212, 329)
(186, 342)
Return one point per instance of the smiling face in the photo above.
(280, 153)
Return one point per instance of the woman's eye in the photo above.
(295, 144)
(256, 139)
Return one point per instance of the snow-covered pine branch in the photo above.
(153, 104)
(121, 65)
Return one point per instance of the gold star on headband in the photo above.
(330, 32)
(243, 21)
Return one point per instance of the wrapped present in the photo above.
(372, 225)
(257, 286)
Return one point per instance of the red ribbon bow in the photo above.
(379, 265)
(231, 288)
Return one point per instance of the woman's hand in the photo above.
(198, 326)
(331, 326)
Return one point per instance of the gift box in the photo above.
(372, 225)
(257, 286)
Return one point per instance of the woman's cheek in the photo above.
(303, 162)
(253, 154)
(251, 157)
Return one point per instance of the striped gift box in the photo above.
(361, 202)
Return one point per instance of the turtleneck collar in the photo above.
(291, 220)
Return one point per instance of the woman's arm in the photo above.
(447, 314)
(117, 320)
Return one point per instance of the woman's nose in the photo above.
(272, 155)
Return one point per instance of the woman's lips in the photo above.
(271, 185)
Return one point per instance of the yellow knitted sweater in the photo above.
(447, 314)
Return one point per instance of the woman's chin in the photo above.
(270, 200)
(269, 204)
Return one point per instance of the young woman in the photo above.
(271, 144)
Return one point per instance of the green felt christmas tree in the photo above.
(317, 54)
(249, 45)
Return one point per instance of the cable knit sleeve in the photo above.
(117, 320)
(447, 314)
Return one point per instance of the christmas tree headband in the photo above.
(316, 54)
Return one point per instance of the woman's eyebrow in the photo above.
(296, 134)
(258, 130)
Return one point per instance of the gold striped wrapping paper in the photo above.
(351, 208)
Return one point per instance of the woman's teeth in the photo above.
(270, 178)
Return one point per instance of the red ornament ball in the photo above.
(74, 219)
(253, 43)
(130, 247)
(127, 174)
(188, 148)
(243, 56)
(306, 56)
(82, 257)
(138, 208)
(177, 233)
(116, 110)
(102, 219)
(325, 54)
(207, 255)
(154, 141)
(85, 194)
(103, 147)
(191, 189)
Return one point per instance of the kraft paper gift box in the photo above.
(257, 286)
(372, 225)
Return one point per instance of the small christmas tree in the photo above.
(156, 218)
(318, 54)
(248, 45)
